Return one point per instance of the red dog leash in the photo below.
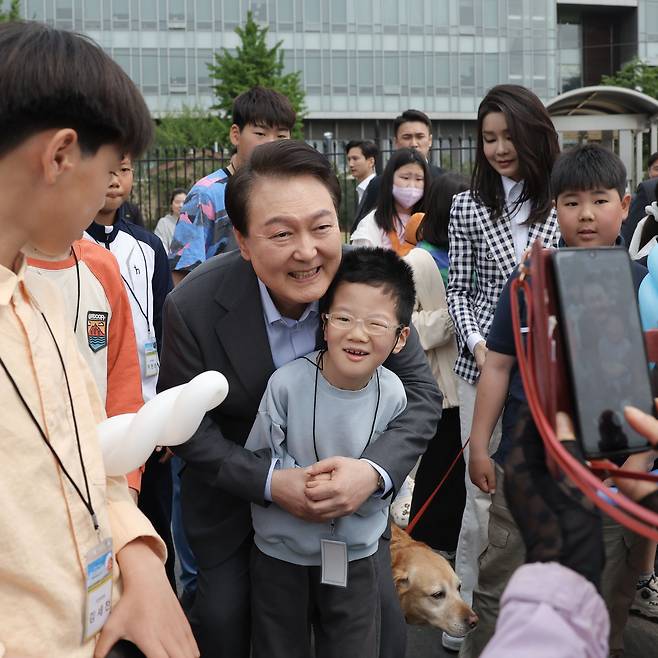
(426, 504)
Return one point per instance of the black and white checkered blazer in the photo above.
(481, 260)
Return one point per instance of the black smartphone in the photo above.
(604, 343)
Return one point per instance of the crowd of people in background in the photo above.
(356, 374)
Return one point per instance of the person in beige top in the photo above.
(439, 527)
(66, 121)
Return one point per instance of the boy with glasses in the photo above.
(334, 401)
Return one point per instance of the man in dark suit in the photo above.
(245, 313)
(413, 129)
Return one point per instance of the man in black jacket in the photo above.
(245, 313)
(413, 129)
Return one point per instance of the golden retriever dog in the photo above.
(428, 587)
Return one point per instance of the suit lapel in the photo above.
(545, 231)
(499, 239)
(241, 329)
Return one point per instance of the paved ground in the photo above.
(641, 638)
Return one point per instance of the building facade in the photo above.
(364, 61)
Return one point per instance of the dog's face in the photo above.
(428, 589)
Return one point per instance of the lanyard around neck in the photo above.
(86, 501)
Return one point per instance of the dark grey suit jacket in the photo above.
(214, 321)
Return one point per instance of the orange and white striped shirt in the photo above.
(97, 306)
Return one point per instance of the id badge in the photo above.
(333, 550)
(99, 563)
(151, 360)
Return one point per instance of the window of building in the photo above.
(122, 57)
(466, 71)
(92, 15)
(490, 14)
(231, 11)
(442, 72)
(148, 14)
(64, 13)
(312, 70)
(466, 12)
(34, 10)
(176, 14)
(417, 73)
(365, 72)
(120, 14)
(391, 73)
(390, 14)
(204, 14)
(177, 71)
(515, 9)
(203, 58)
(284, 13)
(339, 72)
(416, 12)
(312, 14)
(150, 79)
(491, 72)
(339, 15)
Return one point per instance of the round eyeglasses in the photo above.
(372, 326)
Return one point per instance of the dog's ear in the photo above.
(401, 581)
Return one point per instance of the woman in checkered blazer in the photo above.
(508, 207)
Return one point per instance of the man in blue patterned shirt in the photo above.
(204, 229)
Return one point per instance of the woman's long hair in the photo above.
(438, 200)
(385, 212)
(536, 144)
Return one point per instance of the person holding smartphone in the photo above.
(588, 186)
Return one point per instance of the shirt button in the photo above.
(490, 255)
(492, 282)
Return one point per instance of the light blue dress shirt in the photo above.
(289, 339)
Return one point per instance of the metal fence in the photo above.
(162, 170)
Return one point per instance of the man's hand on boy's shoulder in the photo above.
(148, 613)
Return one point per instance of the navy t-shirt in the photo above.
(501, 340)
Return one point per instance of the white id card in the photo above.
(100, 561)
(334, 561)
(151, 360)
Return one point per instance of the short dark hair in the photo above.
(385, 210)
(438, 201)
(380, 268)
(652, 158)
(263, 106)
(281, 159)
(588, 167)
(411, 115)
(367, 146)
(535, 141)
(54, 79)
(175, 192)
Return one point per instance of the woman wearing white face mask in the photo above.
(401, 195)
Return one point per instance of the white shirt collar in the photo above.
(513, 190)
(365, 182)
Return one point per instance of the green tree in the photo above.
(635, 75)
(192, 128)
(254, 64)
(14, 12)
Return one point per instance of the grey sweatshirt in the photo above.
(343, 420)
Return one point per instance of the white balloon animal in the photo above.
(169, 419)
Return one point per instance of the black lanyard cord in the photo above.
(146, 272)
(318, 367)
(77, 304)
(85, 501)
